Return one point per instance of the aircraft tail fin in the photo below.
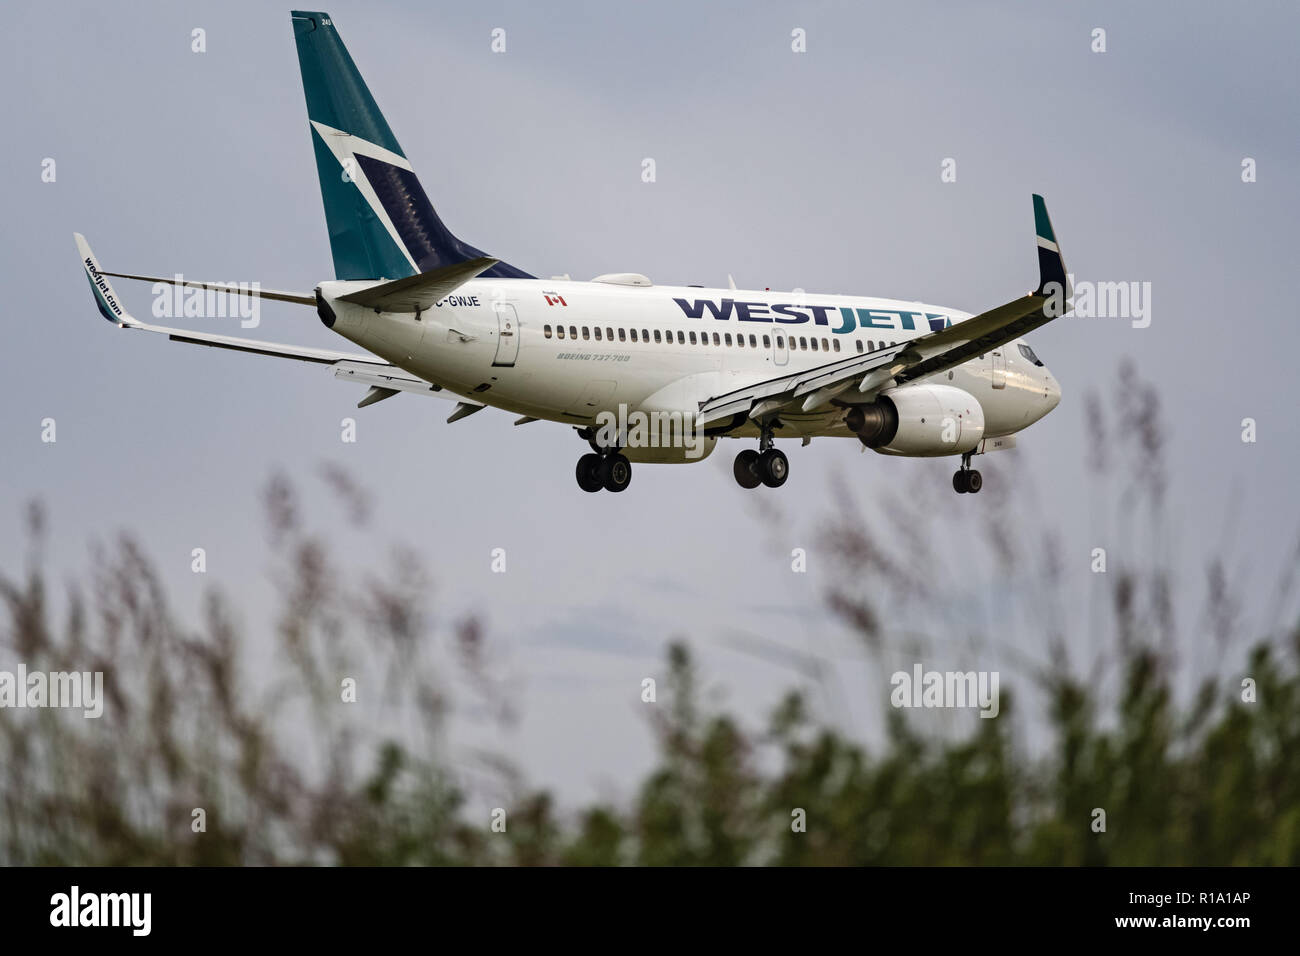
(381, 223)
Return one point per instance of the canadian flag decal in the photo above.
(554, 298)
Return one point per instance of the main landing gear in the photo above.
(767, 466)
(604, 468)
(610, 471)
(967, 480)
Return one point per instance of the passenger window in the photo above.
(609, 333)
(836, 343)
(656, 335)
(728, 338)
(717, 340)
(586, 333)
(546, 331)
(803, 344)
(753, 342)
(780, 342)
(573, 331)
(814, 345)
(645, 336)
(622, 335)
(559, 331)
(826, 346)
(859, 346)
(692, 338)
(598, 333)
(871, 345)
(681, 337)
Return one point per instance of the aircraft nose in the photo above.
(1051, 391)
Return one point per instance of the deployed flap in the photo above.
(379, 374)
(776, 393)
(418, 292)
(275, 349)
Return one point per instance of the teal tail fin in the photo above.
(381, 223)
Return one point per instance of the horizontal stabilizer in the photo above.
(419, 292)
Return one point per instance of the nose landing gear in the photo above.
(967, 480)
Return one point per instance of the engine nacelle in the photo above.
(922, 421)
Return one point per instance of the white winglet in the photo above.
(110, 306)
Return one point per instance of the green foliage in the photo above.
(1218, 786)
(194, 720)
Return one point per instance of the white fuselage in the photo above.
(564, 351)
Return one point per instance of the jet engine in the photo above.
(922, 421)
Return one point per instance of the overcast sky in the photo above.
(818, 170)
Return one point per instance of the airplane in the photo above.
(643, 373)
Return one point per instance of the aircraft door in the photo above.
(507, 334)
(999, 368)
(780, 347)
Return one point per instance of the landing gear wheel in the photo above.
(588, 477)
(746, 469)
(967, 481)
(773, 468)
(615, 472)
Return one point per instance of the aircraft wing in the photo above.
(298, 297)
(384, 378)
(811, 389)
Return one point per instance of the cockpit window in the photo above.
(1028, 353)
